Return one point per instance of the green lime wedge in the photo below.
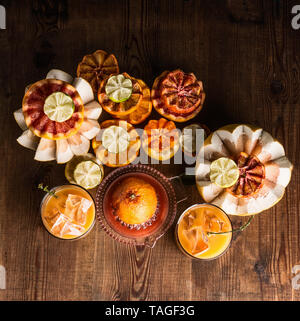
(115, 139)
(118, 88)
(59, 107)
(224, 172)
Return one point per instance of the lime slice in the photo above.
(224, 172)
(59, 107)
(115, 139)
(87, 174)
(118, 88)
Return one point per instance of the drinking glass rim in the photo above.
(177, 238)
(48, 195)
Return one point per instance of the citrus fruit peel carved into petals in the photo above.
(38, 122)
(96, 67)
(261, 159)
(177, 96)
(126, 107)
(143, 110)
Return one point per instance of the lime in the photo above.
(87, 174)
(224, 172)
(115, 139)
(118, 88)
(59, 107)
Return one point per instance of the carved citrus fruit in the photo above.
(34, 110)
(117, 144)
(264, 170)
(160, 139)
(49, 107)
(96, 67)
(177, 95)
(143, 110)
(121, 108)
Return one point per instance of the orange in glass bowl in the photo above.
(147, 229)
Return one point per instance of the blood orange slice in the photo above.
(177, 95)
(96, 67)
(251, 175)
(123, 108)
(36, 119)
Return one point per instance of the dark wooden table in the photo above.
(248, 57)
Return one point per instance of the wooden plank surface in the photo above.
(247, 56)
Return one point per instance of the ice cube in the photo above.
(213, 223)
(52, 215)
(63, 226)
(59, 224)
(72, 229)
(76, 208)
(197, 240)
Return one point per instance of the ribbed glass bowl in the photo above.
(166, 206)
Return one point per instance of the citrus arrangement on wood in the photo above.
(239, 169)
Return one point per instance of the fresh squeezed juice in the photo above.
(195, 232)
(69, 214)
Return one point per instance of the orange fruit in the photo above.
(177, 95)
(36, 119)
(117, 144)
(143, 110)
(134, 201)
(252, 174)
(123, 108)
(160, 139)
(96, 67)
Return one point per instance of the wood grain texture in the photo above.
(247, 56)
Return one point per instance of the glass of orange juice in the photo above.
(68, 212)
(195, 232)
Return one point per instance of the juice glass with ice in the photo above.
(195, 230)
(68, 212)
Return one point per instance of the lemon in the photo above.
(224, 172)
(118, 88)
(87, 174)
(115, 139)
(59, 107)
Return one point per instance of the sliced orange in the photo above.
(143, 110)
(96, 67)
(123, 108)
(117, 144)
(160, 139)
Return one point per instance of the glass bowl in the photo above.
(166, 212)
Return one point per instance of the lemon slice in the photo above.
(118, 88)
(115, 139)
(59, 107)
(87, 174)
(224, 172)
